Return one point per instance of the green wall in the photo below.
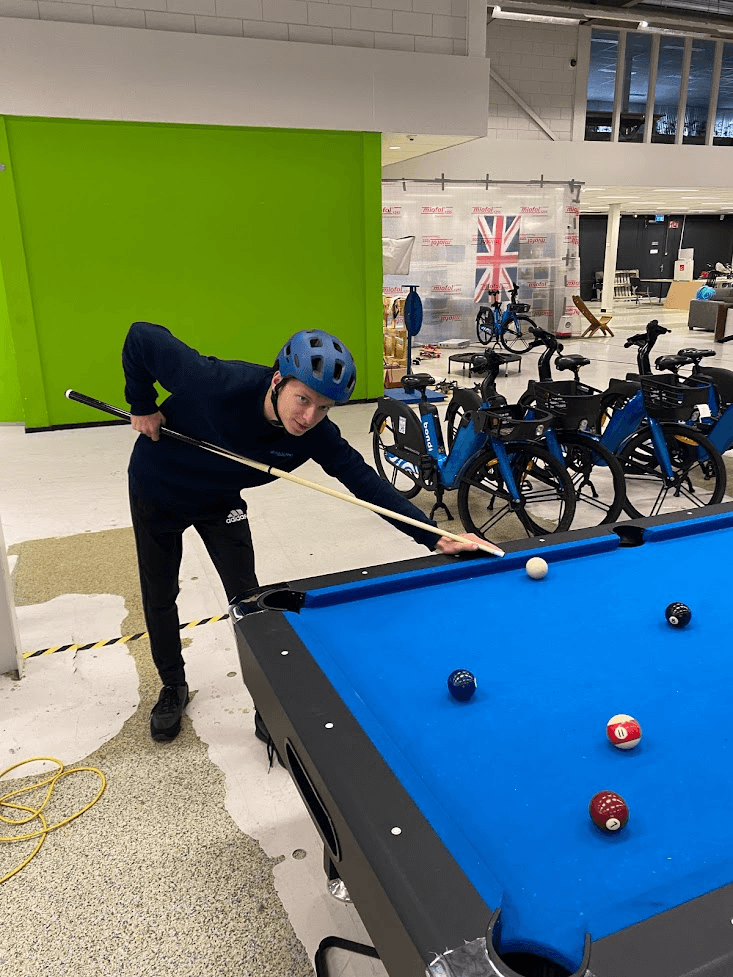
(232, 238)
(10, 405)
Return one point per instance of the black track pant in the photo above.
(158, 538)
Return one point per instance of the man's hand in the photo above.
(451, 548)
(148, 424)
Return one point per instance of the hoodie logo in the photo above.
(236, 515)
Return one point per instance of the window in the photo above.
(635, 87)
(669, 77)
(698, 91)
(723, 133)
(601, 85)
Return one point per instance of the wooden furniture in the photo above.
(595, 324)
(680, 294)
(622, 283)
(395, 355)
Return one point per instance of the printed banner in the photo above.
(470, 240)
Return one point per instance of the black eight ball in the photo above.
(678, 615)
(462, 684)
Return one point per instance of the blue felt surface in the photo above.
(506, 779)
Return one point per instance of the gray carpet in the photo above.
(155, 879)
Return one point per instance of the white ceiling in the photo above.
(593, 199)
(399, 146)
(657, 200)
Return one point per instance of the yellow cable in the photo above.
(37, 812)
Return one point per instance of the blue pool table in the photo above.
(455, 822)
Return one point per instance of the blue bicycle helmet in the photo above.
(706, 292)
(321, 362)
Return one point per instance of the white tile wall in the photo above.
(427, 26)
(534, 60)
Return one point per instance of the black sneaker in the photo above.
(165, 719)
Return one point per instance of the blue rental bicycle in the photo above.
(496, 464)
(668, 464)
(645, 421)
(508, 328)
(596, 473)
(718, 424)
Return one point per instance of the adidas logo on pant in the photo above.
(236, 515)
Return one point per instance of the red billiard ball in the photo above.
(609, 811)
(623, 731)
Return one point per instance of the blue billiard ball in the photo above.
(462, 684)
(678, 615)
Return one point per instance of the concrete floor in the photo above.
(197, 860)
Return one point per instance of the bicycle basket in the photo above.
(672, 398)
(576, 405)
(508, 423)
(519, 307)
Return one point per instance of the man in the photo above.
(274, 415)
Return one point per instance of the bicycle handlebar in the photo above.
(653, 331)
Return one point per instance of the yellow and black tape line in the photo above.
(117, 641)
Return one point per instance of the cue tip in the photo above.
(491, 549)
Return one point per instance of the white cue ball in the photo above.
(536, 568)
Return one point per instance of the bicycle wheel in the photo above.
(598, 479)
(699, 475)
(453, 417)
(485, 326)
(457, 410)
(610, 402)
(516, 336)
(383, 440)
(547, 503)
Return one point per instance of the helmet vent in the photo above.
(317, 366)
(338, 369)
(315, 342)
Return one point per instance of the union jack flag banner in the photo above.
(474, 237)
(497, 255)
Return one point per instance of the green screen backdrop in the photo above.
(10, 405)
(233, 238)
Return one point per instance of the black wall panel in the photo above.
(711, 237)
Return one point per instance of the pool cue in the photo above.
(288, 476)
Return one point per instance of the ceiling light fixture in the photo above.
(500, 14)
(394, 147)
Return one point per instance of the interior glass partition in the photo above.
(669, 77)
(601, 85)
(698, 91)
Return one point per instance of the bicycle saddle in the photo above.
(673, 363)
(696, 354)
(571, 362)
(417, 381)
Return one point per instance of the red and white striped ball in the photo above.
(623, 731)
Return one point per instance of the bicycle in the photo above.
(667, 465)
(597, 477)
(718, 425)
(508, 328)
(495, 463)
